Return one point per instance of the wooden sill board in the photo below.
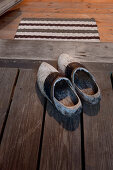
(50, 50)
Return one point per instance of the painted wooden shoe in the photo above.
(58, 90)
(82, 80)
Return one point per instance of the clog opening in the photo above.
(64, 94)
(84, 81)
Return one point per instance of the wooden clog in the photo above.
(58, 90)
(83, 81)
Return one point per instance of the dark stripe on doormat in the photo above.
(60, 19)
(61, 25)
(57, 31)
(52, 37)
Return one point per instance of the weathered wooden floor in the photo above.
(34, 136)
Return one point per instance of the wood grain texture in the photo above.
(21, 139)
(61, 148)
(101, 10)
(7, 79)
(32, 50)
(98, 129)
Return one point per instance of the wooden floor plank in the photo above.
(21, 139)
(61, 148)
(7, 79)
(98, 129)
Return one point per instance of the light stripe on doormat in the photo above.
(58, 29)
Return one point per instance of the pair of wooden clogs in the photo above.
(68, 86)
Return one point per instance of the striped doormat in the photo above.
(58, 29)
